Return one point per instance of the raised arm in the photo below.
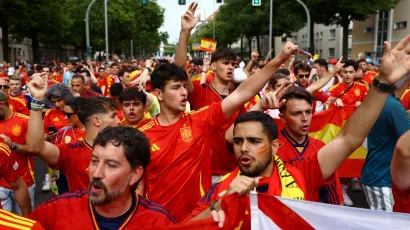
(251, 86)
(94, 80)
(324, 80)
(35, 135)
(395, 65)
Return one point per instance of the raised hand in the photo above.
(254, 55)
(288, 50)
(242, 185)
(207, 60)
(188, 20)
(339, 65)
(271, 100)
(38, 86)
(395, 62)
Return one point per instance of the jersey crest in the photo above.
(67, 139)
(16, 130)
(357, 92)
(186, 134)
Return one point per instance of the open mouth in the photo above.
(244, 160)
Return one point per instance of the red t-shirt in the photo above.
(11, 221)
(405, 99)
(74, 211)
(9, 168)
(290, 150)
(401, 200)
(223, 161)
(356, 93)
(308, 173)
(180, 169)
(110, 81)
(19, 104)
(101, 83)
(54, 118)
(90, 93)
(16, 129)
(74, 161)
(69, 135)
(369, 76)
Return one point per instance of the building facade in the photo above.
(369, 35)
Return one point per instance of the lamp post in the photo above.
(270, 26)
(87, 27)
(308, 24)
(106, 31)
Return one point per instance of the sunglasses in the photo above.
(303, 75)
(4, 87)
(69, 115)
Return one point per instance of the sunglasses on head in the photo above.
(303, 75)
(4, 87)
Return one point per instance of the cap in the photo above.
(333, 61)
(369, 61)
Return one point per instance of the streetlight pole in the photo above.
(214, 20)
(308, 24)
(106, 31)
(270, 26)
(87, 27)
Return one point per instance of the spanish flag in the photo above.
(208, 45)
(325, 126)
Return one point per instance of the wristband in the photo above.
(383, 87)
(36, 105)
(14, 146)
(149, 69)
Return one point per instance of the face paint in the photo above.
(262, 150)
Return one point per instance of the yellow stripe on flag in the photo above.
(208, 45)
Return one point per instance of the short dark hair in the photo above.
(124, 70)
(75, 103)
(303, 67)
(283, 71)
(116, 89)
(114, 64)
(296, 62)
(223, 53)
(352, 63)
(85, 71)
(133, 94)
(95, 105)
(167, 72)
(269, 126)
(296, 93)
(322, 62)
(79, 76)
(276, 78)
(361, 60)
(135, 144)
(197, 61)
(30, 73)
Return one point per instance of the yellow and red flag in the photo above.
(325, 126)
(208, 45)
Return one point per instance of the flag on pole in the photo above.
(208, 45)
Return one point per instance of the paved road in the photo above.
(358, 199)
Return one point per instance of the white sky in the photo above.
(173, 13)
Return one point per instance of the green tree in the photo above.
(164, 36)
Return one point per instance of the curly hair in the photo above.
(58, 90)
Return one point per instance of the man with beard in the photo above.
(13, 127)
(119, 160)
(256, 144)
(96, 113)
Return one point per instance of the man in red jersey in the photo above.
(256, 144)
(10, 221)
(10, 172)
(348, 92)
(180, 170)
(119, 161)
(14, 126)
(96, 113)
(17, 101)
(137, 106)
(83, 88)
(400, 171)
(366, 66)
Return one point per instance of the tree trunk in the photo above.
(258, 44)
(5, 31)
(250, 45)
(312, 38)
(35, 46)
(345, 26)
(241, 47)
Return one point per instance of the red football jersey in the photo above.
(356, 93)
(405, 99)
(16, 129)
(90, 93)
(101, 83)
(290, 150)
(401, 200)
(69, 135)
(74, 161)
(19, 104)
(307, 172)
(54, 118)
(223, 161)
(369, 76)
(11, 221)
(74, 211)
(9, 168)
(180, 169)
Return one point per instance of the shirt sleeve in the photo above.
(405, 100)
(196, 94)
(205, 202)
(43, 215)
(212, 116)
(334, 91)
(63, 162)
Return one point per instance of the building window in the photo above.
(317, 36)
(350, 32)
(382, 28)
(284, 39)
(367, 54)
(320, 52)
(331, 52)
(332, 35)
(321, 35)
(368, 30)
(295, 39)
(400, 25)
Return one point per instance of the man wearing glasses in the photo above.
(302, 73)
